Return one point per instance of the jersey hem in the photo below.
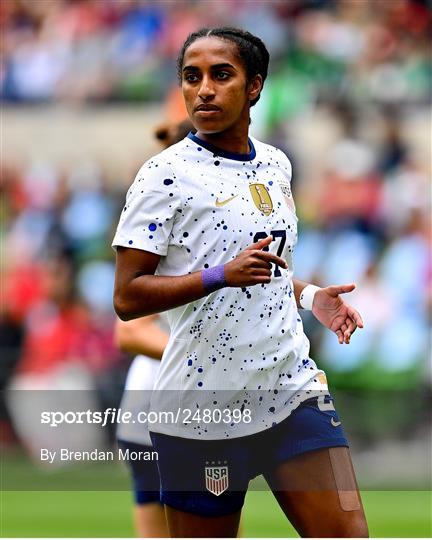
(138, 242)
(298, 399)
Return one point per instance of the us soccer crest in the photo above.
(286, 190)
(216, 479)
(261, 198)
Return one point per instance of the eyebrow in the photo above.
(215, 66)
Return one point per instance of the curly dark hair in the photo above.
(251, 50)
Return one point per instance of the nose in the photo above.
(206, 91)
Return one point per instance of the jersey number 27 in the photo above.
(278, 234)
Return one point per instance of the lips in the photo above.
(206, 107)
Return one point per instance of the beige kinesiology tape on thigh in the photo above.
(346, 484)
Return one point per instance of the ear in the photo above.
(255, 87)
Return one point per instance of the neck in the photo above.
(233, 139)
(230, 143)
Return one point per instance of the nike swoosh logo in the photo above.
(334, 423)
(226, 201)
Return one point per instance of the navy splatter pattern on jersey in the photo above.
(198, 207)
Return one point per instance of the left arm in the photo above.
(331, 311)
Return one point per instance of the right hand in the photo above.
(253, 265)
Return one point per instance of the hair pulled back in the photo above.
(251, 50)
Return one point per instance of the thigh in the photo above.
(203, 485)
(150, 521)
(185, 525)
(318, 492)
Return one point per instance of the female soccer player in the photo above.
(207, 233)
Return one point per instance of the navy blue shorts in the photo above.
(145, 474)
(210, 478)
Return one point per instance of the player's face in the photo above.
(215, 88)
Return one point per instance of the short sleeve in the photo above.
(285, 165)
(148, 217)
(285, 181)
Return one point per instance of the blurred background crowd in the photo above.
(348, 99)
(108, 50)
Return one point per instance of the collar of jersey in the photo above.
(223, 153)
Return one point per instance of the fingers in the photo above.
(253, 265)
(355, 316)
(335, 290)
(266, 256)
(271, 258)
(348, 328)
(261, 263)
(343, 335)
(340, 336)
(261, 243)
(262, 278)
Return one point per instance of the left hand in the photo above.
(331, 311)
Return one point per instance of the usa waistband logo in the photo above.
(216, 479)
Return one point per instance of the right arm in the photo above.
(138, 292)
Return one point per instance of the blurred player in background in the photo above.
(194, 238)
(146, 337)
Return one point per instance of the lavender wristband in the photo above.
(213, 278)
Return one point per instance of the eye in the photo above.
(190, 77)
(222, 75)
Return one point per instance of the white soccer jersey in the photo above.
(198, 206)
(136, 399)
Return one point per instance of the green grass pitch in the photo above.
(108, 514)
